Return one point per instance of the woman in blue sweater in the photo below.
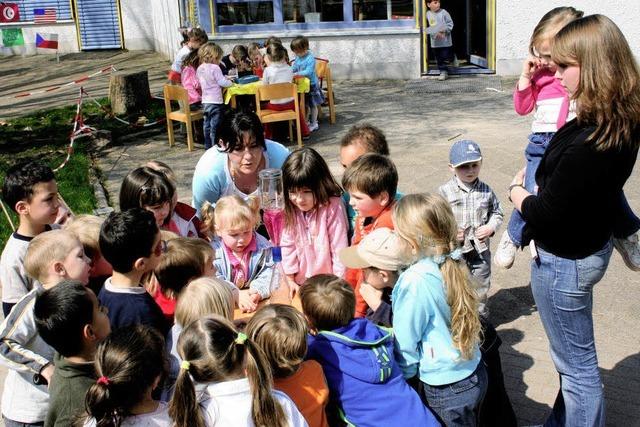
(435, 312)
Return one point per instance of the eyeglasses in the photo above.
(160, 248)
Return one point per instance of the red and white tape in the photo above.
(79, 130)
(108, 69)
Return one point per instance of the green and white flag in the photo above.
(12, 37)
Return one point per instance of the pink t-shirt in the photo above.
(190, 82)
(211, 83)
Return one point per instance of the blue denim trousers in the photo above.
(538, 143)
(458, 404)
(444, 56)
(563, 292)
(212, 118)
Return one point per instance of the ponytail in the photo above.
(265, 409)
(102, 406)
(207, 212)
(183, 408)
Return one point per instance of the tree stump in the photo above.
(129, 92)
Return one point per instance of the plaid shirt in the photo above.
(473, 207)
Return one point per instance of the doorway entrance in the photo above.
(473, 37)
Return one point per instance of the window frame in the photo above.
(279, 25)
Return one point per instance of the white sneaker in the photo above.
(444, 75)
(313, 126)
(629, 249)
(506, 253)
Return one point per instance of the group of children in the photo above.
(201, 67)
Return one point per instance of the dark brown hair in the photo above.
(145, 187)
(299, 43)
(371, 174)
(277, 52)
(328, 302)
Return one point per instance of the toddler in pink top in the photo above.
(315, 219)
(189, 79)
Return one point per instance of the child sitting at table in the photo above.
(305, 66)
(237, 63)
(278, 71)
(242, 256)
(257, 62)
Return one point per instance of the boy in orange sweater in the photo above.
(371, 181)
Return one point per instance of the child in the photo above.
(305, 66)
(196, 38)
(257, 62)
(185, 260)
(70, 319)
(129, 364)
(274, 40)
(381, 255)
(315, 220)
(86, 228)
(279, 71)
(371, 181)
(148, 189)
(281, 332)
(365, 382)
(184, 220)
(29, 189)
(242, 256)
(439, 30)
(130, 242)
(211, 81)
(51, 257)
(435, 312)
(236, 379)
(189, 80)
(203, 297)
(237, 63)
(477, 211)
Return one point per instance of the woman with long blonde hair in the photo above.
(435, 305)
(572, 218)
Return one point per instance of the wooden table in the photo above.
(304, 86)
(280, 296)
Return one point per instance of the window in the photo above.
(312, 11)
(245, 12)
(62, 9)
(369, 10)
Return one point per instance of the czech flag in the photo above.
(47, 41)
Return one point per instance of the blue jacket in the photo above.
(306, 66)
(366, 385)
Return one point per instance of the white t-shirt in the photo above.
(158, 418)
(278, 72)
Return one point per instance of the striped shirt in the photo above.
(472, 207)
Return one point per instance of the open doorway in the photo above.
(473, 37)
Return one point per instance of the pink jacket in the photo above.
(190, 82)
(312, 244)
(549, 99)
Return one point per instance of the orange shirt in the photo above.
(308, 390)
(354, 276)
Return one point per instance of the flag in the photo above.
(9, 12)
(44, 16)
(47, 41)
(12, 37)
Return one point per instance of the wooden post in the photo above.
(129, 92)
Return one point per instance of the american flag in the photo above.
(44, 16)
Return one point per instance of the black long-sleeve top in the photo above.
(579, 193)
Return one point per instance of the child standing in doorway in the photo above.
(439, 30)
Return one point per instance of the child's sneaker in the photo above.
(313, 126)
(629, 249)
(444, 75)
(506, 252)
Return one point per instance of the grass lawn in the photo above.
(44, 136)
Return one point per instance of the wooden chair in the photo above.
(183, 114)
(279, 91)
(324, 75)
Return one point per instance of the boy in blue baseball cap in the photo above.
(477, 211)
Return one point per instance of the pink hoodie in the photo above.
(190, 82)
(312, 244)
(549, 99)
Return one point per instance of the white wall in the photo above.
(67, 40)
(515, 23)
(166, 20)
(137, 24)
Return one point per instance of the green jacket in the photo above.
(69, 386)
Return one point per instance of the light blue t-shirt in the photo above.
(421, 321)
(212, 179)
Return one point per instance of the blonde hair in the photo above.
(217, 353)
(210, 53)
(328, 302)
(86, 228)
(550, 24)
(281, 332)
(45, 249)
(427, 223)
(184, 260)
(608, 93)
(202, 297)
(230, 212)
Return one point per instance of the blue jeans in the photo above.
(563, 292)
(458, 404)
(212, 117)
(538, 143)
(444, 56)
